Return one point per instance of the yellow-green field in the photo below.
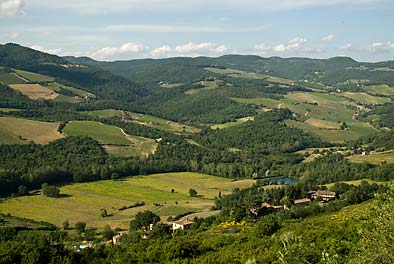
(323, 124)
(251, 75)
(365, 98)
(162, 124)
(355, 182)
(115, 141)
(35, 91)
(235, 123)
(10, 78)
(356, 130)
(104, 134)
(374, 158)
(34, 77)
(25, 129)
(83, 201)
(382, 89)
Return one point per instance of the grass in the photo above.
(355, 182)
(57, 86)
(83, 201)
(365, 98)
(323, 124)
(162, 124)
(108, 113)
(382, 89)
(139, 147)
(10, 78)
(374, 158)
(34, 77)
(232, 124)
(37, 131)
(6, 138)
(7, 110)
(104, 134)
(35, 91)
(355, 131)
(250, 75)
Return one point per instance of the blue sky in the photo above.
(130, 29)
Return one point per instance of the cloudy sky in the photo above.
(130, 29)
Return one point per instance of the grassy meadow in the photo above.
(374, 158)
(10, 78)
(104, 134)
(34, 77)
(83, 201)
(26, 130)
(35, 91)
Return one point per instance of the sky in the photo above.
(132, 29)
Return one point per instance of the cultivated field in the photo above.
(35, 91)
(83, 201)
(162, 124)
(365, 98)
(34, 77)
(251, 75)
(104, 134)
(323, 124)
(25, 129)
(10, 78)
(380, 89)
(57, 86)
(115, 141)
(374, 158)
(356, 130)
(231, 124)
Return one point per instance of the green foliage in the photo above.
(192, 192)
(267, 133)
(143, 220)
(50, 191)
(80, 227)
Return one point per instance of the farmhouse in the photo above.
(301, 201)
(181, 224)
(269, 206)
(324, 195)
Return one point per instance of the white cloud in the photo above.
(160, 52)
(197, 49)
(293, 44)
(380, 47)
(11, 7)
(329, 37)
(346, 47)
(105, 6)
(127, 48)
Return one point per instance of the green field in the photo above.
(7, 110)
(10, 78)
(231, 124)
(374, 158)
(57, 86)
(162, 124)
(355, 182)
(250, 75)
(34, 77)
(108, 113)
(207, 85)
(139, 147)
(7, 138)
(380, 89)
(20, 128)
(356, 130)
(83, 201)
(104, 134)
(365, 98)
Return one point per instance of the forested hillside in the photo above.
(261, 160)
